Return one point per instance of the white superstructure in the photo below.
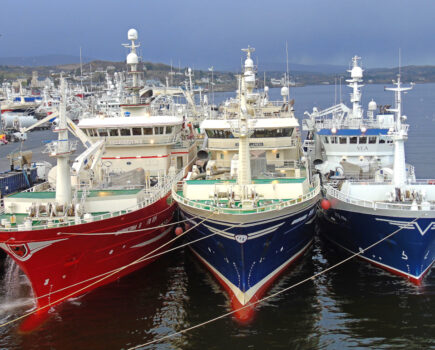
(143, 134)
(342, 141)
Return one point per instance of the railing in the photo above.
(44, 186)
(368, 203)
(151, 195)
(225, 210)
(140, 140)
(348, 123)
(278, 164)
(59, 147)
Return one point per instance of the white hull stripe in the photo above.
(152, 240)
(250, 235)
(409, 225)
(244, 298)
(384, 265)
(33, 247)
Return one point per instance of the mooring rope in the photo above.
(101, 279)
(109, 274)
(144, 258)
(271, 295)
(122, 232)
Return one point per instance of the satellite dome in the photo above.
(266, 89)
(132, 58)
(249, 63)
(284, 91)
(356, 73)
(372, 106)
(132, 34)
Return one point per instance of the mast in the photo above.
(243, 133)
(356, 74)
(132, 62)
(399, 135)
(249, 73)
(61, 150)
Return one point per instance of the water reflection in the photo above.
(374, 309)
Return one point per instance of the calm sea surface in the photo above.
(354, 306)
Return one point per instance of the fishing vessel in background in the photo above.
(377, 207)
(251, 196)
(101, 219)
(343, 142)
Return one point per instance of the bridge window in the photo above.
(113, 132)
(372, 139)
(102, 132)
(343, 140)
(159, 130)
(219, 134)
(353, 139)
(169, 129)
(137, 131)
(280, 132)
(334, 139)
(125, 132)
(147, 131)
(325, 139)
(363, 139)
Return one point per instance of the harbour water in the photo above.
(354, 306)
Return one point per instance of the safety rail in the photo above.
(44, 186)
(371, 204)
(314, 192)
(151, 195)
(347, 123)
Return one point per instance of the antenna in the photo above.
(400, 61)
(341, 100)
(287, 72)
(81, 68)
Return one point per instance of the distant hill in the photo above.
(224, 80)
(57, 60)
(46, 60)
(295, 67)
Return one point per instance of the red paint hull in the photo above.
(70, 265)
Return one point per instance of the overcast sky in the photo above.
(204, 33)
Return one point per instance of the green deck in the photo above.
(92, 193)
(254, 181)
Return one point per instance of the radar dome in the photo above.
(132, 34)
(249, 63)
(356, 73)
(284, 91)
(266, 89)
(372, 106)
(132, 58)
